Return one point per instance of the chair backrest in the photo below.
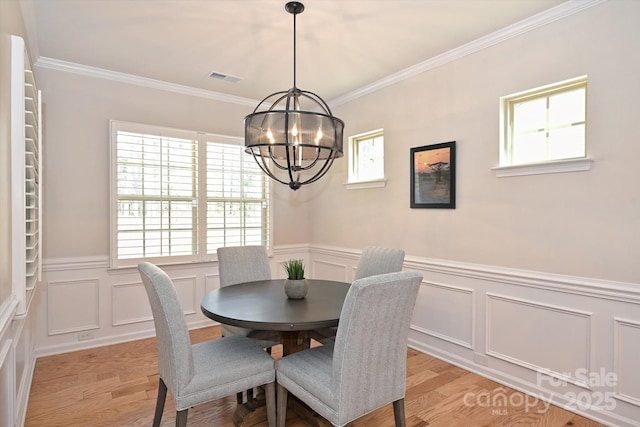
(370, 351)
(376, 260)
(175, 359)
(239, 264)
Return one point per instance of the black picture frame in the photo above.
(433, 176)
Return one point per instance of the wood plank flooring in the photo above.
(117, 386)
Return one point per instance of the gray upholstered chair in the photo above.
(238, 264)
(202, 372)
(365, 368)
(374, 260)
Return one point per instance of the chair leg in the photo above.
(162, 397)
(181, 418)
(398, 412)
(281, 402)
(270, 395)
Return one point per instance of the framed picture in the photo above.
(433, 176)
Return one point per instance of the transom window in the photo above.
(366, 157)
(179, 195)
(545, 124)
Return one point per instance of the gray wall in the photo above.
(582, 224)
(77, 110)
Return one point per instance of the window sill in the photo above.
(377, 183)
(557, 166)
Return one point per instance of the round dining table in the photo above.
(263, 305)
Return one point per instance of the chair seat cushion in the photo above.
(294, 374)
(234, 363)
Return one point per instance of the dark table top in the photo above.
(264, 305)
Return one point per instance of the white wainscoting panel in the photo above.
(7, 384)
(187, 294)
(539, 336)
(627, 360)
(211, 282)
(331, 271)
(24, 356)
(445, 312)
(83, 296)
(129, 304)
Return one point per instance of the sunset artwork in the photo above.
(433, 176)
(424, 159)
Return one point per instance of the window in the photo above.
(366, 157)
(177, 196)
(545, 124)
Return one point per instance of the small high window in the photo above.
(366, 157)
(545, 124)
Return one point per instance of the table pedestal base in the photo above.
(293, 341)
(305, 413)
(251, 413)
(255, 412)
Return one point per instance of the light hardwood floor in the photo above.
(117, 386)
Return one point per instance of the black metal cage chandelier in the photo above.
(293, 131)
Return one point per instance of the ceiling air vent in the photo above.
(224, 77)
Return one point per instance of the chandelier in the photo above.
(292, 134)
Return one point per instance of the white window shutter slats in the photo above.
(180, 195)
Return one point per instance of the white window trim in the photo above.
(358, 185)
(353, 184)
(554, 166)
(544, 167)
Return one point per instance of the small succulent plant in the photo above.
(294, 269)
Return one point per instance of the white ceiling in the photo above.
(343, 45)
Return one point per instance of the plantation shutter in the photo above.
(156, 195)
(177, 196)
(237, 211)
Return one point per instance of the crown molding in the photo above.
(561, 11)
(101, 73)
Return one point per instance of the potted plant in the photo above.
(295, 285)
